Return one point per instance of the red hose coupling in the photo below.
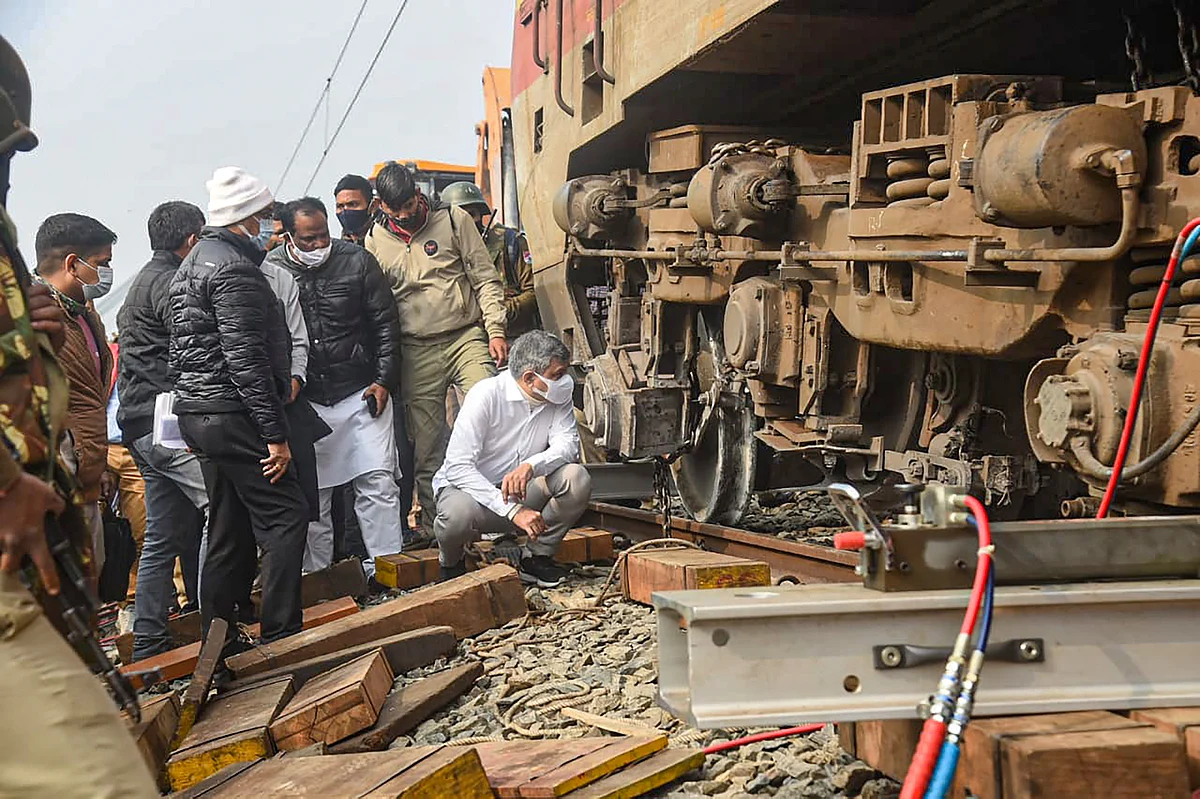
(851, 539)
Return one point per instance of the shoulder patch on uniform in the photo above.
(529, 257)
(431, 248)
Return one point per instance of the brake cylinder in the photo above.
(1042, 168)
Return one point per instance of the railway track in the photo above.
(790, 561)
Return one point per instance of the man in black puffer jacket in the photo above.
(230, 356)
(352, 329)
(176, 502)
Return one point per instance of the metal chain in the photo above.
(662, 492)
(1135, 51)
(1189, 47)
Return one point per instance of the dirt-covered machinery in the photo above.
(784, 254)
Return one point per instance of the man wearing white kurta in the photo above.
(352, 326)
(512, 462)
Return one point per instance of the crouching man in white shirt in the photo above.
(512, 462)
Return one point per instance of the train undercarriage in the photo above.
(958, 298)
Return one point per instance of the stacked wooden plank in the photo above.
(329, 688)
(1064, 755)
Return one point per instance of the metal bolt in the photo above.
(990, 212)
(905, 566)
(1029, 651)
(891, 656)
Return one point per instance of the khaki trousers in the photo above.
(62, 736)
(132, 501)
(427, 368)
(561, 497)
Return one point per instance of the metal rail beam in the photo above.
(790, 561)
(782, 656)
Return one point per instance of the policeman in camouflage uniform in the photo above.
(64, 737)
(509, 252)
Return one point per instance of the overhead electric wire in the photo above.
(324, 97)
(357, 92)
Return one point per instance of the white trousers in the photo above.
(376, 499)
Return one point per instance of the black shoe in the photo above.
(450, 572)
(541, 571)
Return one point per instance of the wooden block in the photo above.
(430, 774)
(208, 787)
(1117, 764)
(470, 604)
(181, 662)
(1183, 723)
(980, 771)
(846, 732)
(673, 570)
(886, 746)
(196, 694)
(408, 569)
(599, 544)
(404, 652)
(232, 729)
(153, 735)
(573, 549)
(409, 705)
(335, 705)
(642, 778)
(344, 578)
(582, 771)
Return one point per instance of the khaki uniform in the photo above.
(450, 302)
(70, 741)
(510, 253)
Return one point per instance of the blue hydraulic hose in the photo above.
(943, 775)
(1189, 244)
(985, 631)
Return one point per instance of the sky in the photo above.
(137, 101)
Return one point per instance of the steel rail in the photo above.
(790, 561)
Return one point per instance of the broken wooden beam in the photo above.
(607, 723)
(196, 695)
(643, 777)
(469, 604)
(177, 663)
(548, 769)
(437, 772)
(404, 652)
(336, 705)
(153, 735)
(409, 705)
(344, 578)
(234, 728)
(208, 787)
(651, 570)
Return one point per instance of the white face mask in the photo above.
(557, 391)
(310, 258)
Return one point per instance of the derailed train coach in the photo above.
(888, 242)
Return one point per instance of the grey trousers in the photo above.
(561, 496)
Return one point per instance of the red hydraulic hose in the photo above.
(1135, 397)
(983, 564)
(762, 736)
(929, 746)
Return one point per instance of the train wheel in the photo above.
(714, 478)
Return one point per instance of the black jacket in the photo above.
(145, 324)
(351, 319)
(230, 348)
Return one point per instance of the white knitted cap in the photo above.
(234, 195)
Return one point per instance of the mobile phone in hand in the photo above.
(372, 406)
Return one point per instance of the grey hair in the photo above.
(534, 351)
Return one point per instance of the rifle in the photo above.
(74, 607)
